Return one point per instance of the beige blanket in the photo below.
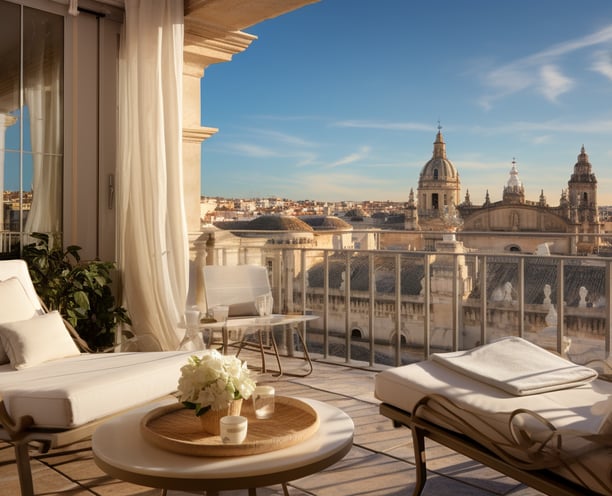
(517, 367)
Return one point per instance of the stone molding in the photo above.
(198, 134)
(207, 44)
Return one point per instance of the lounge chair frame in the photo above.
(20, 432)
(26, 438)
(540, 479)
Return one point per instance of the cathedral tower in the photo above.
(582, 191)
(439, 185)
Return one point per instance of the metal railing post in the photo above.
(347, 306)
(426, 305)
(372, 306)
(398, 309)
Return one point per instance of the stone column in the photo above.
(204, 45)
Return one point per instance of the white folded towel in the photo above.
(517, 366)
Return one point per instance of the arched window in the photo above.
(435, 175)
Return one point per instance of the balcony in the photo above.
(414, 303)
(380, 462)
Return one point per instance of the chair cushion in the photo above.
(16, 306)
(73, 391)
(37, 340)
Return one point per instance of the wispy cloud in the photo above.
(283, 138)
(255, 151)
(351, 158)
(355, 186)
(391, 126)
(553, 83)
(540, 70)
(594, 126)
(603, 63)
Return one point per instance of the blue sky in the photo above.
(340, 100)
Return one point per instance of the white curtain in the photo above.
(44, 102)
(153, 246)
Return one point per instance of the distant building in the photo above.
(436, 207)
(438, 192)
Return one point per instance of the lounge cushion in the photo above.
(16, 306)
(74, 391)
(37, 340)
(517, 366)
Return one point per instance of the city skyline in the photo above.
(340, 100)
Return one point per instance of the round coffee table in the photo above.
(120, 451)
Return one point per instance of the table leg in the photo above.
(278, 360)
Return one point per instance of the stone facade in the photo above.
(436, 207)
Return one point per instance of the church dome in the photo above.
(439, 168)
(278, 223)
(322, 222)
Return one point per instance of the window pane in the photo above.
(43, 98)
(9, 128)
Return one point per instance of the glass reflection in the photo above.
(31, 122)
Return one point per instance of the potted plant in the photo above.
(80, 291)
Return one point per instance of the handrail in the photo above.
(384, 323)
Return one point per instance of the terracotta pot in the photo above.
(210, 419)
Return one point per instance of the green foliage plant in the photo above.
(79, 291)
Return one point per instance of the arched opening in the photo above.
(393, 339)
(514, 248)
(356, 333)
(434, 201)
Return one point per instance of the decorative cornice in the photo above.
(198, 134)
(207, 44)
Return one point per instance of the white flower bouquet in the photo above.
(213, 381)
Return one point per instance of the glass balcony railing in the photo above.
(383, 303)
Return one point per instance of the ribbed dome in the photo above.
(319, 222)
(439, 168)
(278, 223)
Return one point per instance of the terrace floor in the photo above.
(380, 462)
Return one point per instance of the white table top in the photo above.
(120, 451)
(270, 320)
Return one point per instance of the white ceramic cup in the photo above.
(220, 313)
(263, 401)
(233, 429)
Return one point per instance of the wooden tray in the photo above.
(177, 429)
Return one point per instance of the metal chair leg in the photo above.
(22, 457)
(418, 441)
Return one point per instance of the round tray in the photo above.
(177, 429)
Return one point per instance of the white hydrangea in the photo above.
(213, 380)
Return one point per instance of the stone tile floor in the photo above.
(379, 464)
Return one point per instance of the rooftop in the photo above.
(380, 462)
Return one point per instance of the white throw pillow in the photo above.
(15, 305)
(37, 340)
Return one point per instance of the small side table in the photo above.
(120, 451)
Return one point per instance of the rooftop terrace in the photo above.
(380, 462)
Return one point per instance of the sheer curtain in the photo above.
(153, 246)
(43, 98)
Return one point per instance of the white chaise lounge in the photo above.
(51, 394)
(510, 405)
